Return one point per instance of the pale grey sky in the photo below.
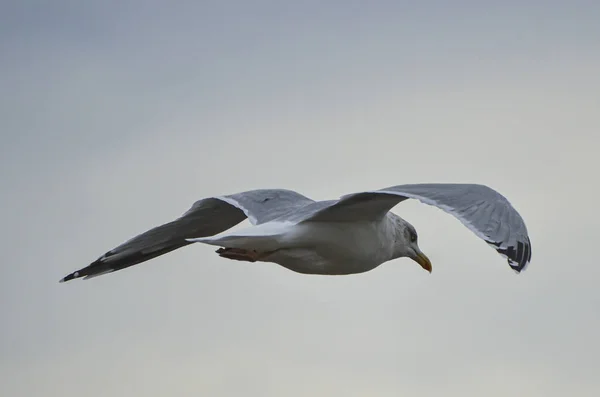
(117, 116)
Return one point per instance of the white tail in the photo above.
(265, 237)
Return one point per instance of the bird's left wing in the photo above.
(483, 210)
(206, 217)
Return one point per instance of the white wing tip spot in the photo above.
(75, 275)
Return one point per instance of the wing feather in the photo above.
(484, 211)
(206, 217)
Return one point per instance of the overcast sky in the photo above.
(115, 116)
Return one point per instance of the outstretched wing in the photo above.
(483, 210)
(206, 217)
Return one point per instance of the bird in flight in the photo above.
(353, 234)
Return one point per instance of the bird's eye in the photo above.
(413, 237)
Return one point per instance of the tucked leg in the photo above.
(239, 254)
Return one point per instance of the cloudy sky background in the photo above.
(117, 115)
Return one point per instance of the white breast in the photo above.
(343, 247)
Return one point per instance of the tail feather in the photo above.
(265, 237)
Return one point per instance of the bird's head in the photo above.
(406, 243)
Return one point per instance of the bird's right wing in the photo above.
(481, 209)
(206, 217)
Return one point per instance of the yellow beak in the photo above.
(424, 261)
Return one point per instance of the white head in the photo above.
(406, 242)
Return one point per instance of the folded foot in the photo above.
(239, 254)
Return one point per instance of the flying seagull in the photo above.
(351, 235)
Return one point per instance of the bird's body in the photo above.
(332, 248)
(351, 235)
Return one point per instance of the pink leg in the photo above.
(239, 254)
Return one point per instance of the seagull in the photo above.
(351, 235)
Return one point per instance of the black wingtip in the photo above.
(518, 257)
(96, 267)
(516, 267)
(69, 277)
